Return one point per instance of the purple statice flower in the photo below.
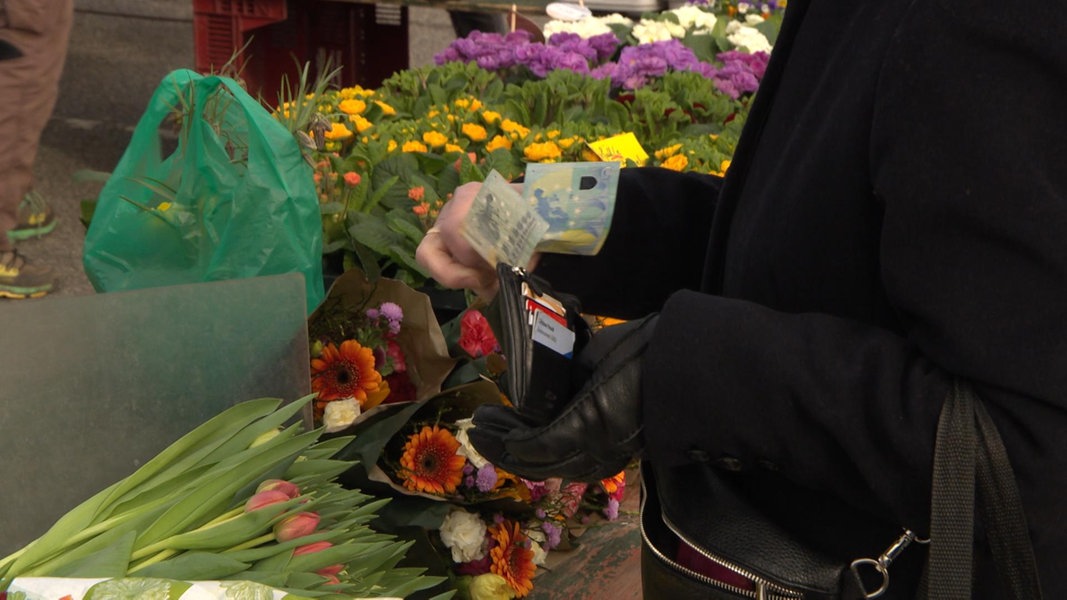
(469, 482)
(553, 534)
(611, 511)
(372, 314)
(540, 513)
(486, 478)
(391, 311)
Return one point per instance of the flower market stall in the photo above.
(368, 486)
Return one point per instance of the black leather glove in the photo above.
(599, 430)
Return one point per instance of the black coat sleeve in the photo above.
(656, 245)
(969, 157)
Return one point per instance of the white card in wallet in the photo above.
(552, 334)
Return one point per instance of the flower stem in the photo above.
(162, 544)
(161, 556)
(252, 543)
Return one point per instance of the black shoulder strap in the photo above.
(969, 449)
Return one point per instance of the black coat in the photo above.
(895, 215)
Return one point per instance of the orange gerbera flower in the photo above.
(512, 560)
(430, 463)
(344, 372)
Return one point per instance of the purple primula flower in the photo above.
(605, 44)
(486, 478)
(372, 314)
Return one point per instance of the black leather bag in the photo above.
(721, 524)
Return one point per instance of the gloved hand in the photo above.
(600, 429)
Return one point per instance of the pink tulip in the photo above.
(265, 498)
(311, 548)
(331, 571)
(296, 526)
(290, 489)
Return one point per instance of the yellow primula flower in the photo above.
(435, 139)
(566, 143)
(475, 132)
(361, 123)
(669, 151)
(387, 110)
(338, 131)
(552, 134)
(498, 141)
(542, 152)
(453, 148)
(413, 146)
(462, 103)
(391, 146)
(490, 116)
(433, 112)
(514, 129)
(352, 106)
(678, 162)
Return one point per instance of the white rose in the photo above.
(466, 449)
(464, 534)
(340, 414)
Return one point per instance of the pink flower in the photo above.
(392, 349)
(289, 489)
(571, 497)
(296, 526)
(352, 179)
(265, 498)
(311, 548)
(330, 571)
(475, 336)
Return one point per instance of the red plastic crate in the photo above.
(220, 28)
(369, 42)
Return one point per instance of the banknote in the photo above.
(576, 200)
(501, 226)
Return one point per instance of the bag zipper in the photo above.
(765, 590)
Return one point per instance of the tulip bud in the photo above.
(331, 571)
(265, 498)
(311, 548)
(289, 489)
(264, 437)
(296, 526)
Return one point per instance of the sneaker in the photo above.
(35, 218)
(21, 280)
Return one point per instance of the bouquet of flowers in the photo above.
(483, 528)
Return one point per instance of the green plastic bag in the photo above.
(234, 199)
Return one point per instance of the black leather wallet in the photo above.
(539, 330)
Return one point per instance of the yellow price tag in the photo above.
(620, 148)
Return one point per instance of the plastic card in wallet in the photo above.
(540, 330)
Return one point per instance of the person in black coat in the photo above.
(895, 217)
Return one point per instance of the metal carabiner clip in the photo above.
(881, 564)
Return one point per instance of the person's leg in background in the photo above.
(34, 35)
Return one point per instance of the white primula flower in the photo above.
(753, 19)
(747, 38)
(585, 28)
(340, 414)
(466, 449)
(617, 19)
(742, 7)
(691, 16)
(648, 31)
(464, 534)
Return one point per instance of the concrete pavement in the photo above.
(119, 52)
